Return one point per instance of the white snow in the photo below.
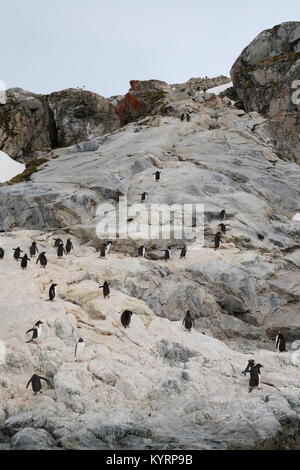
(296, 217)
(218, 89)
(9, 168)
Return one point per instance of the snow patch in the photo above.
(9, 168)
(296, 217)
(218, 89)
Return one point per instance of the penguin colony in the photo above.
(126, 317)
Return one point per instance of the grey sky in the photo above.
(49, 45)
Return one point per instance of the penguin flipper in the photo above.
(29, 383)
(29, 331)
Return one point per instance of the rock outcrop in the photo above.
(266, 79)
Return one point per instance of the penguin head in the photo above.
(80, 340)
(39, 323)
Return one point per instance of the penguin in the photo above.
(222, 214)
(183, 252)
(108, 246)
(182, 117)
(33, 250)
(24, 262)
(188, 117)
(260, 236)
(144, 196)
(52, 293)
(57, 242)
(157, 175)
(106, 290)
(126, 318)
(36, 331)
(250, 364)
(17, 252)
(168, 253)
(69, 246)
(1, 253)
(61, 250)
(35, 381)
(280, 342)
(223, 227)
(79, 350)
(254, 377)
(142, 251)
(218, 238)
(188, 321)
(42, 260)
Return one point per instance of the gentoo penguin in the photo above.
(79, 350)
(24, 262)
(222, 214)
(218, 238)
(182, 117)
(35, 381)
(108, 246)
(188, 117)
(33, 249)
(42, 260)
(183, 252)
(106, 290)
(223, 227)
(168, 253)
(57, 242)
(280, 342)
(61, 250)
(69, 246)
(1, 253)
(254, 377)
(250, 364)
(52, 293)
(142, 251)
(157, 175)
(188, 321)
(126, 318)
(144, 196)
(17, 252)
(36, 331)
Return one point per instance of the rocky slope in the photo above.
(155, 385)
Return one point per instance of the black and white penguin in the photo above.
(188, 117)
(33, 250)
(57, 242)
(36, 331)
(183, 252)
(223, 227)
(79, 350)
(254, 377)
(42, 260)
(106, 290)
(144, 196)
(250, 364)
(168, 253)
(36, 384)
(280, 342)
(52, 292)
(69, 246)
(222, 214)
(157, 175)
(1, 253)
(108, 247)
(188, 321)
(61, 250)
(24, 262)
(126, 318)
(142, 251)
(17, 252)
(218, 238)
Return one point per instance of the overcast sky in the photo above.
(49, 45)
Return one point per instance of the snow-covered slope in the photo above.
(218, 89)
(9, 168)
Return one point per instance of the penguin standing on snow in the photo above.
(188, 321)
(222, 215)
(254, 377)
(1, 253)
(52, 293)
(57, 242)
(144, 196)
(17, 252)
(251, 363)
(79, 350)
(142, 251)
(69, 246)
(36, 330)
(168, 253)
(106, 290)
(33, 250)
(126, 318)
(183, 252)
(280, 342)
(36, 383)
(61, 250)
(218, 238)
(24, 262)
(42, 260)
(157, 175)
(108, 247)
